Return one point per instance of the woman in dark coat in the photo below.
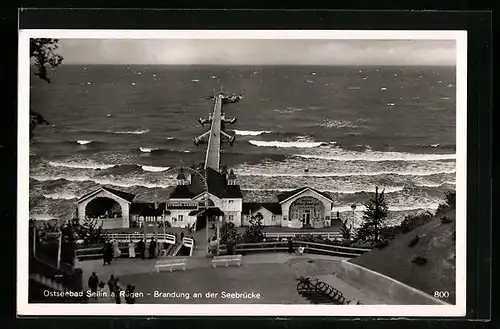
(107, 253)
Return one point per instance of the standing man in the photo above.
(152, 248)
(141, 247)
(290, 245)
(93, 283)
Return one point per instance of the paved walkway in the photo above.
(274, 276)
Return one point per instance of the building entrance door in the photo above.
(306, 217)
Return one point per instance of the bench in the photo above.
(171, 263)
(227, 260)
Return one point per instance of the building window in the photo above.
(273, 217)
(180, 218)
(231, 218)
(231, 201)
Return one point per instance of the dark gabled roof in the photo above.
(232, 192)
(285, 195)
(216, 182)
(147, 209)
(251, 207)
(212, 211)
(124, 195)
(181, 192)
(195, 212)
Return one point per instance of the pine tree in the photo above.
(374, 216)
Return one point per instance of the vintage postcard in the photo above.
(276, 173)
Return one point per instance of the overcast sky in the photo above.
(258, 52)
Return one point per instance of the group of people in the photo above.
(114, 287)
(111, 249)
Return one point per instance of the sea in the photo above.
(340, 129)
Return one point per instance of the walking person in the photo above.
(131, 249)
(118, 289)
(111, 285)
(290, 246)
(182, 236)
(93, 283)
(129, 294)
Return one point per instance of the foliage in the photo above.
(253, 232)
(449, 202)
(343, 243)
(229, 233)
(90, 232)
(419, 260)
(382, 244)
(43, 51)
(346, 231)
(446, 220)
(450, 198)
(411, 222)
(414, 241)
(68, 244)
(374, 216)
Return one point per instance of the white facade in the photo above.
(107, 223)
(232, 210)
(297, 222)
(268, 218)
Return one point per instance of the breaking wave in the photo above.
(250, 133)
(149, 150)
(84, 142)
(122, 182)
(296, 144)
(81, 165)
(132, 132)
(389, 189)
(368, 155)
(422, 206)
(158, 149)
(346, 174)
(64, 196)
(154, 168)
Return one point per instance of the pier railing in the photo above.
(309, 247)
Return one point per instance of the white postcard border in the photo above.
(24, 308)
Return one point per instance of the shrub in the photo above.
(446, 220)
(411, 222)
(450, 198)
(382, 244)
(421, 261)
(414, 241)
